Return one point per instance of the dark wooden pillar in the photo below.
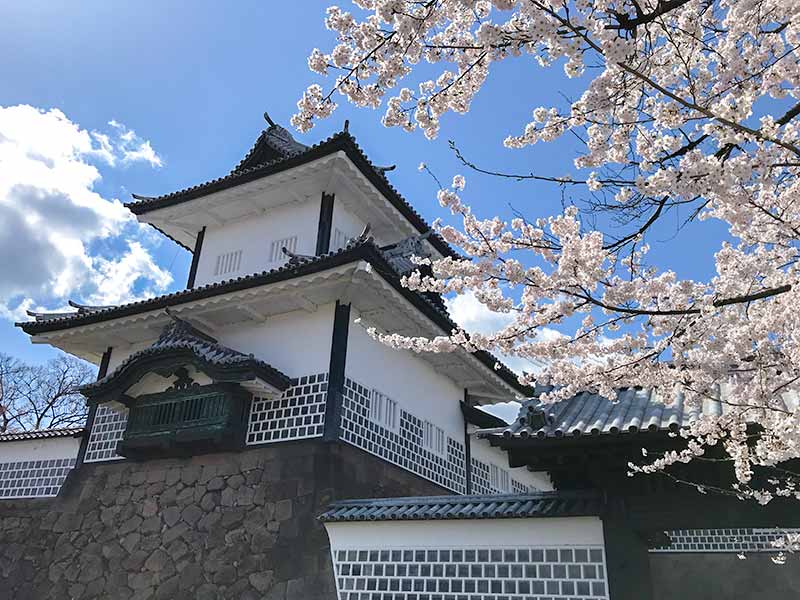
(325, 224)
(627, 560)
(467, 449)
(101, 372)
(198, 247)
(333, 402)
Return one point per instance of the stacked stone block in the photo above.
(219, 526)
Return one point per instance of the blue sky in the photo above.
(193, 80)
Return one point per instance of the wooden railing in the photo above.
(186, 421)
(171, 414)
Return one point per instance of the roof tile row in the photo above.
(41, 434)
(422, 508)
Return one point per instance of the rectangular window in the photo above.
(339, 239)
(228, 262)
(276, 254)
(383, 411)
(434, 439)
(499, 479)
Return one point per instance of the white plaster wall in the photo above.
(120, 353)
(62, 447)
(296, 343)
(485, 452)
(347, 222)
(406, 378)
(478, 533)
(253, 237)
(153, 383)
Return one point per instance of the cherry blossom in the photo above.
(691, 104)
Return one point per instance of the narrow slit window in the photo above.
(384, 411)
(276, 247)
(339, 239)
(499, 479)
(228, 262)
(434, 439)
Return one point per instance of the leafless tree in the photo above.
(42, 396)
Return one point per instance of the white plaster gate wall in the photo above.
(488, 559)
(36, 468)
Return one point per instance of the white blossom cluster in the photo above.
(693, 103)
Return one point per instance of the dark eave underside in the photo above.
(367, 251)
(341, 141)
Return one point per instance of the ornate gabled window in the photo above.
(183, 416)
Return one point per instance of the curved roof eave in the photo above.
(340, 141)
(367, 251)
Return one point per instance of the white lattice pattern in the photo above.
(490, 479)
(532, 573)
(517, 487)
(404, 447)
(34, 478)
(107, 429)
(297, 414)
(723, 540)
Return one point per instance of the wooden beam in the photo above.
(335, 395)
(467, 449)
(252, 312)
(218, 220)
(325, 224)
(305, 304)
(204, 322)
(102, 371)
(297, 198)
(371, 313)
(198, 247)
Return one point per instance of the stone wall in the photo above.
(238, 525)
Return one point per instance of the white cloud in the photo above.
(508, 411)
(475, 317)
(51, 216)
(130, 147)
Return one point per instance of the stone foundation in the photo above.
(237, 525)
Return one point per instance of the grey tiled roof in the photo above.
(274, 143)
(426, 508)
(249, 170)
(587, 414)
(41, 434)
(81, 309)
(180, 335)
(429, 304)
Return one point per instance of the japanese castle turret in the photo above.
(295, 253)
(246, 437)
